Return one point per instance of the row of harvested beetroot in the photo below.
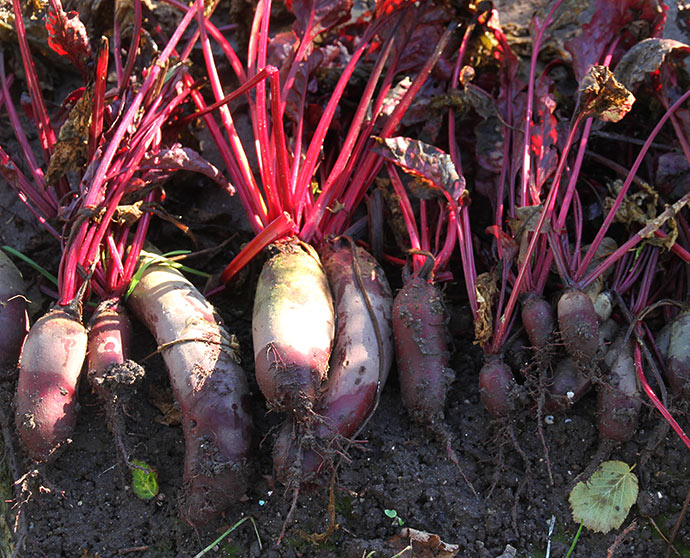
(328, 165)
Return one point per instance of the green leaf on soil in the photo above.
(144, 480)
(602, 503)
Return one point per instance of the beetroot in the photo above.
(49, 367)
(209, 385)
(538, 320)
(568, 385)
(618, 398)
(360, 361)
(497, 387)
(678, 355)
(292, 327)
(420, 330)
(579, 325)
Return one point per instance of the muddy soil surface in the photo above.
(91, 510)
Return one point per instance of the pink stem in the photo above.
(624, 189)
(655, 400)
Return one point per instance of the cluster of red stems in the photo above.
(594, 256)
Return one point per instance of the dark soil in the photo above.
(82, 504)
(91, 510)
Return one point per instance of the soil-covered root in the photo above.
(579, 325)
(568, 385)
(678, 356)
(498, 390)
(422, 349)
(618, 397)
(209, 385)
(14, 320)
(49, 367)
(293, 325)
(109, 372)
(538, 319)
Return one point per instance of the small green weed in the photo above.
(393, 514)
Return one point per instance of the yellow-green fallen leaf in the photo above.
(603, 502)
(144, 480)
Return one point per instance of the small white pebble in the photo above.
(548, 419)
(79, 503)
(566, 421)
(659, 495)
(570, 395)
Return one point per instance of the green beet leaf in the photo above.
(603, 502)
(144, 480)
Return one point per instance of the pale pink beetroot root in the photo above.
(359, 365)
(14, 321)
(420, 330)
(110, 373)
(49, 367)
(293, 325)
(209, 385)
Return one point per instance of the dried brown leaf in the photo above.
(72, 145)
(433, 169)
(127, 215)
(601, 95)
(637, 207)
(486, 288)
(163, 400)
(667, 217)
(424, 545)
(526, 220)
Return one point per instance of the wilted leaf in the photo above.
(323, 14)
(638, 207)
(481, 101)
(594, 22)
(603, 502)
(527, 219)
(68, 37)
(602, 96)
(667, 217)
(144, 480)
(127, 215)
(646, 57)
(433, 168)
(176, 158)
(72, 144)
(486, 289)
(163, 400)
(507, 247)
(424, 545)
